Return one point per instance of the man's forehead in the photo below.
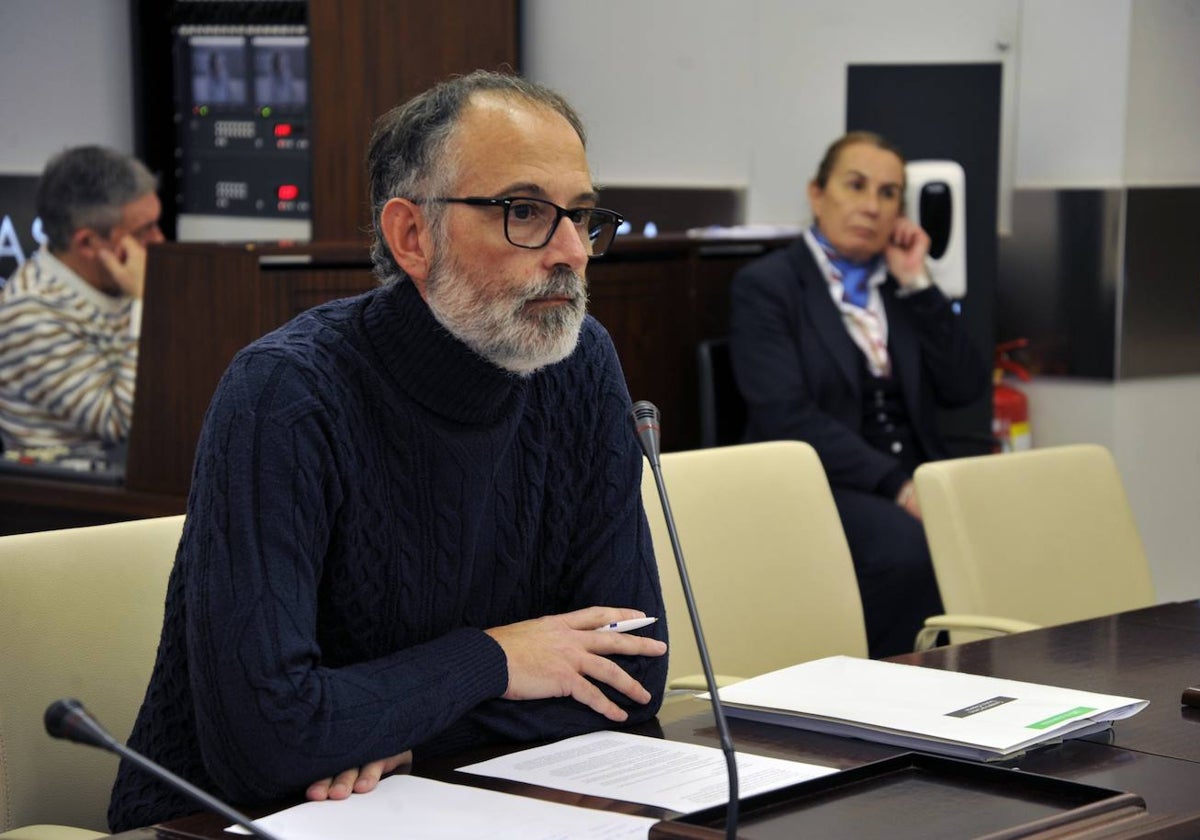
(492, 105)
(509, 140)
(142, 210)
(488, 121)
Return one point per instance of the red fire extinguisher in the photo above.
(1010, 407)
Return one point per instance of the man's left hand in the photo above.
(356, 779)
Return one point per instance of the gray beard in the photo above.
(499, 327)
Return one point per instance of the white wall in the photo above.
(1162, 144)
(1071, 82)
(660, 84)
(1107, 93)
(65, 79)
(717, 91)
(1099, 93)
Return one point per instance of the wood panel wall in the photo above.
(657, 298)
(369, 56)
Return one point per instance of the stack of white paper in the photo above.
(423, 809)
(653, 771)
(927, 709)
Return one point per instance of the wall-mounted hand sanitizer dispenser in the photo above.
(935, 198)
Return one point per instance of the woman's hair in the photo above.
(825, 169)
(87, 187)
(410, 152)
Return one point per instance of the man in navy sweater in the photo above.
(411, 509)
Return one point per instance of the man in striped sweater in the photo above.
(69, 316)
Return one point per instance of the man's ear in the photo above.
(408, 237)
(84, 242)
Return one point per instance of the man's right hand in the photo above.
(552, 656)
(127, 265)
(357, 779)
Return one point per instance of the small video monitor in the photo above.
(218, 64)
(280, 71)
(243, 139)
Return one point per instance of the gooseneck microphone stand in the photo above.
(646, 425)
(69, 720)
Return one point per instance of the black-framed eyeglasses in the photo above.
(531, 222)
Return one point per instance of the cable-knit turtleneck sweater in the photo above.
(368, 496)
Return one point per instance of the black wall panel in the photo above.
(946, 111)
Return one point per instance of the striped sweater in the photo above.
(68, 358)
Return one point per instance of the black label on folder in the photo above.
(981, 706)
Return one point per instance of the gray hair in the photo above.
(87, 187)
(410, 154)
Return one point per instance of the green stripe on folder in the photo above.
(1060, 717)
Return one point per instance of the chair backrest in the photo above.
(766, 556)
(1044, 535)
(722, 408)
(80, 616)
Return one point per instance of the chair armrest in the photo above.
(994, 624)
(696, 682)
(50, 832)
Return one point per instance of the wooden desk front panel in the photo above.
(203, 304)
(309, 287)
(206, 302)
(647, 308)
(659, 299)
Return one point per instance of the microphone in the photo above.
(646, 425)
(69, 720)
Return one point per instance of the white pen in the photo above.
(626, 625)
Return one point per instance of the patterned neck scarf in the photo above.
(853, 276)
(865, 319)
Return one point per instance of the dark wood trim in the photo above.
(657, 297)
(369, 56)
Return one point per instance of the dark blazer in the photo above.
(800, 372)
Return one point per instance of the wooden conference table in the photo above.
(1152, 654)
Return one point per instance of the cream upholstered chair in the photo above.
(766, 556)
(80, 616)
(1031, 538)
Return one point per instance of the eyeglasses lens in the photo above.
(530, 223)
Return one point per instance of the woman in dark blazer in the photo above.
(842, 340)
